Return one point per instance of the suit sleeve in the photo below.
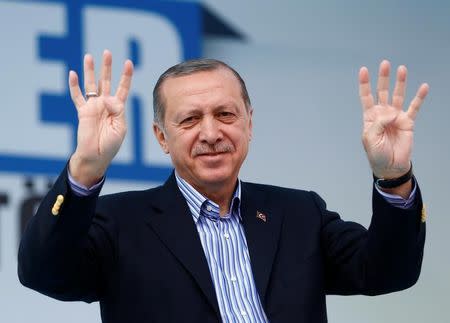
(385, 258)
(66, 252)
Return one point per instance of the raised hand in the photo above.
(101, 119)
(388, 129)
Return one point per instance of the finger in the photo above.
(398, 96)
(365, 93)
(75, 91)
(125, 81)
(383, 83)
(104, 83)
(417, 101)
(89, 76)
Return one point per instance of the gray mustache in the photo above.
(220, 147)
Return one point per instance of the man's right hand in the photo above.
(101, 119)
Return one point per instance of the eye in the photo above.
(226, 116)
(189, 120)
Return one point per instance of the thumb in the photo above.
(379, 126)
(113, 107)
(376, 131)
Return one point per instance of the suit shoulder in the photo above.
(127, 197)
(276, 191)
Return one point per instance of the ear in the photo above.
(161, 137)
(250, 124)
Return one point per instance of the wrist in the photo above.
(401, 186)
(389, 183)
(84, 171)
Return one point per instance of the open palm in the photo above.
(101, 119)
(387, 129)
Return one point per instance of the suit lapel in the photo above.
(176, 229)
(262, 229)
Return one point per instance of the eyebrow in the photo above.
(227, 105)
(196, 110)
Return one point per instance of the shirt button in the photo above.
(243, 313)
(233, 279)
(208, 208)
(227, 236)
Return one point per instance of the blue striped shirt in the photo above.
(225, 246)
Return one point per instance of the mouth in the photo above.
(211, 157)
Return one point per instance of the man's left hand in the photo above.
(388, 130)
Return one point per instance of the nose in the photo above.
(210, 131)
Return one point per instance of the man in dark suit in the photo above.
(206, 247)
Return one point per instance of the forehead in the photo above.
(202, 88)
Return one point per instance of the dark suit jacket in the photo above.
(139, 253)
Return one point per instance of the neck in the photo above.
(222, 200)
(219, 193)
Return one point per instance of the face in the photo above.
(207, 128)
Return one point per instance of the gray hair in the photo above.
(188, 68)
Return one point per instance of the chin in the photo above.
(213, 176)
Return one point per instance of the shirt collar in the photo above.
(200, 205)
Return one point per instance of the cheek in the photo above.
(183, 144)
(243, 136)
(241, 144)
